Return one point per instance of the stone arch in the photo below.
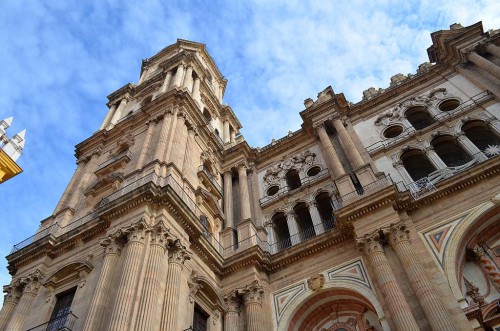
(454, 254)
(75, 271)
(449, 150)
(416, 163)
(330, 288)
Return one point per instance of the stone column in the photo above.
(244, 194)
(231, 316)
(149, 311)
(493, 50)
(436, 312)
(178, 148)
(469, 146)
(226, 134)
(119, 111)
(112, 249)
(161, 144)
(484, 64)
(145, 71)
(13, 294)
(228, 199)
(348, 144)
(196, 90)
(177, 255)
(293, 229)
(434, 158)
(269, 225)
(233, 136)
(319, 227)
(145, 145)
(479, 80)
(394, 297)
(257, 211)
(108, 117)
(80, 188)
(125, 296)
(166, 82)
(31, 286)
(252, 297)
(178, 75)
(333, 161)
(188, 79)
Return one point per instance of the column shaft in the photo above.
(435, 159)
(469, 146)
(145, 145)
(171, 135)
(166, 82)
(108, 117)
(231, 321)
(188, 79)
(101, 295)
(395, 300)
(319, 227)
(125, 296)
(493, 49)
(479, 81)
(244, 194)
(228, 199)
(71, 188)
(253, 316)
(293, 229)
(436, 312)
(226, 134)
(178, 75)
(196, 90)
(162, 139)
(348, 144)
(179, 143)
(119, 111)
(22, 309)
(79, 188)
(485, 64)
(171, 304)
(149, 311)
(336, 168)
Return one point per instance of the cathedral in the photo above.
(377, 215)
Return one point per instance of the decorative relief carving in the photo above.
(300, 161)
(12, 293)
(178, 253)
(194, 286)
(397, 233)
(253, 293)
(316, 282)
(32, 283)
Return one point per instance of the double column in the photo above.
(31, 285)
(348, 145)
(251, 296)
(434, 309)
(121, 315)
(333, 161)
(177, 255)
(112, 249)
(394, 297)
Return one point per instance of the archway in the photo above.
(417, 164)
(335, 309)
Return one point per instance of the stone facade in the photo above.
(380, 215)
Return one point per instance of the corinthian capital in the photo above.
(370, 243)
(178, 253)
(32, 283)
(232, 302)
(137, 232)
(252, 293)
(397, 233)
(160, 235)
(112, 245)
(12, 293)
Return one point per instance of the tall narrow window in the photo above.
(293, 179)
(282, 240)
(61, 311)
(416, 164)
(200, 319)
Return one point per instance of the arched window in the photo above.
(419, 117)
(325, 209)
(448, 149)
(416, 164)
(304, 221)
(282, 240)
(482, 136)
(293, 179)
(207, 115)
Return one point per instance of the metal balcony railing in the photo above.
(61, 323)
(363, 191)
(212, 179)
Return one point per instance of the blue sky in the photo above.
(60, 59)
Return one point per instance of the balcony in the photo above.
(473, 102)
(363, 192)
(205, 175)
(287, 190)
(61, 323)
(54, 231)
